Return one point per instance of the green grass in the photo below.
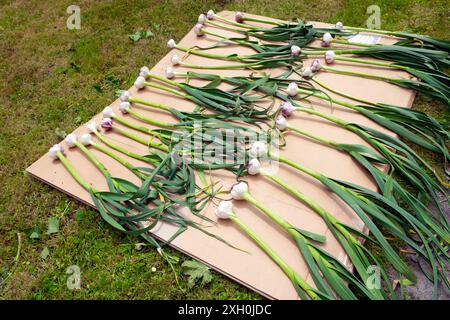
(53, 78)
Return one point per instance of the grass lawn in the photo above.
(54, 79)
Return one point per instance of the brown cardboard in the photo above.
(254, 269)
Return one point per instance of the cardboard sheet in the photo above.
(254, 269)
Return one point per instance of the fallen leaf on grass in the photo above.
(197, 272)
(141, 34)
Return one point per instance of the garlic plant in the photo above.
(368, 205)
(167, 176)
(345, 234)
(304, 290)
(326, 270)
(414, 126)
(427, 65)
(370, 197)
(305, 34)
(165, 185)
(115, 207)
